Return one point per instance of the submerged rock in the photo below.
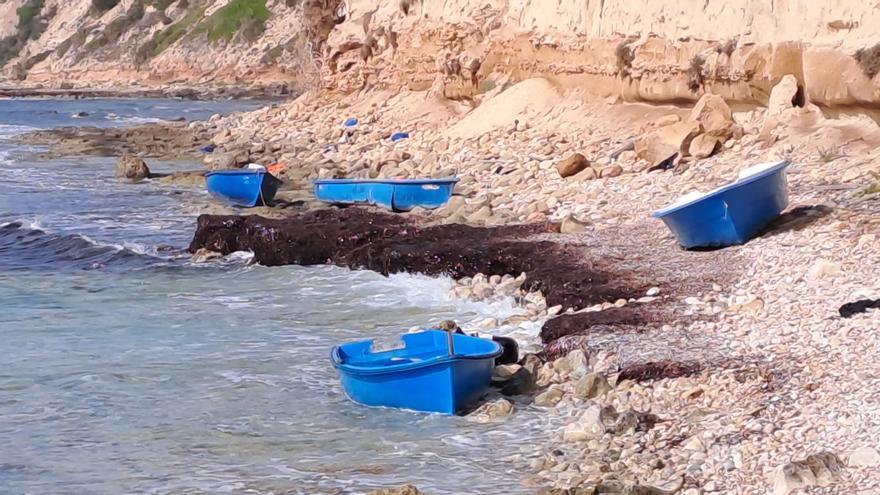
(492, 411)
(401, 490)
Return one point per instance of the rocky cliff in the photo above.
(638, 50)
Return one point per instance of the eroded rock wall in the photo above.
(655, 51)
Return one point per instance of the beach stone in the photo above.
(221, 161)
(591, 385)
(817, 469)
(505, 371)
(588, 173)
(588, 425)
(823, 268)
(492, 411)
(578, 362)
(521, 382)
(572, 165)
(571, 225)
(864, 457)
(131, 168)
(612, 171)
(531, 362)
(549, 397)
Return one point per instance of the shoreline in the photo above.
(278, 92)
(700, 391)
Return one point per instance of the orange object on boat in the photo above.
(276, 168)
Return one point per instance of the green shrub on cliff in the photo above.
(247, 16)
(31, 25)
(164, 39)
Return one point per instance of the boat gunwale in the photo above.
(352, 369)
(780, 166)
(239, 172)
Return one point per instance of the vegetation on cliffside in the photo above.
(31, 24)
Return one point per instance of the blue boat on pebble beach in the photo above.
(246, 187)
(731, 214)
(436, 371)
(392, 194)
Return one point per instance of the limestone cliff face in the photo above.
(640, 50)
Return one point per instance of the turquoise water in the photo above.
(129, 369)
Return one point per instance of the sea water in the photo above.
(127, 368)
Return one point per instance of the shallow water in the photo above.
(128, 369)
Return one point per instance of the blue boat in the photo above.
(436, 371)
(731, 214)
(242, 187)
(396, 195)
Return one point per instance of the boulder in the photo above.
(665, 141)
(784, 96)
(713, 114)
(591, 386)
(705, 145)
(131, 168)
(572, 165)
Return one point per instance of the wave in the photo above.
(28, 245)
(132, 120)
(9, 130)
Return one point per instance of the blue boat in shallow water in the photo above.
(436, 371)
(731, 214)
(396, 195)
(242, 187)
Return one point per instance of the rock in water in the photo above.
(203, 255)
(572, 165)
(131, 168)
(549, 398)
(492, 411)
(401, 490)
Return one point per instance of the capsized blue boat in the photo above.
(242, 187)
(731, 214)
(435, 371)
(396, 195)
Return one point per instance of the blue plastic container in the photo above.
(244, 187)
(396, 195)
(351, 122)
(397, 136)
(424, 375)
(731, 214)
